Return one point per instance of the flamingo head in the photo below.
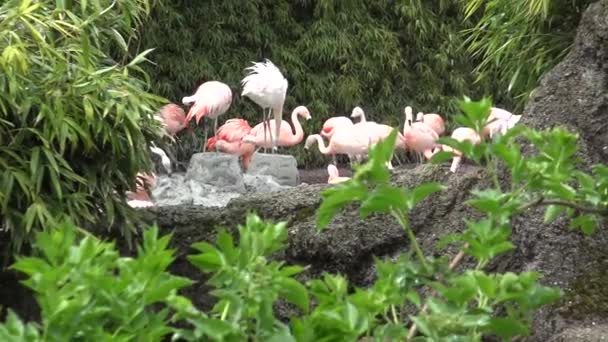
(303, 112)
(420, 117)
(357, 112)
(310, 140)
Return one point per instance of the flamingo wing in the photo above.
(233, 130)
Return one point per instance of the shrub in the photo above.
(74, 124)
(507, 32)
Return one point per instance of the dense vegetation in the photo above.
(73, 123)
(104, 296)
(380, 55)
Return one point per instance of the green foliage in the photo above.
(73, 123)
(508, 32)
(86, 291)
(247, 284)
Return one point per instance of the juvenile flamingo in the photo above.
(229, 140)
(266, 86)
(435, 121)
(334, 175)
(211, 100)
(419, 137)
(461, 134)
(286, 137)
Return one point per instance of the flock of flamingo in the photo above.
(266, 86)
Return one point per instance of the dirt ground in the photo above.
(319, 175)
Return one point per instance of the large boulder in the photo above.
(282, 167)
(575, 93)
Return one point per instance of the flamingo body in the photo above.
(173, 117)
(330, 124)
(461, 134)
(435, 121)
(266, 86)
(286, 137)
(499, 122)
(229, 140)
(212, 99)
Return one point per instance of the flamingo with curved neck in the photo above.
(286, 135)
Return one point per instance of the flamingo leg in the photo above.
(266, 128)
(334, 159)
(205, 141)
(455, 163)
(215, 133)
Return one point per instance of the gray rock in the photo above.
(262, 183)
(171, 190)
(283, 167)
(220, 170)
(178, 190)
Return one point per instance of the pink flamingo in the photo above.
(334, 175)
(229, 140)
(286, 137)
(329, 127)
(140, 197)
(266, 86)
(499, 122)
(211, 100)
(461, 134)
(435, 121)
(419, 136)
(173, 117)
(377, 132)
(352, 141)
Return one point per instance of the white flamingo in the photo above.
(266, 86)
(358, 113)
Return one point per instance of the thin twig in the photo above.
(543, 201)
(453, 264)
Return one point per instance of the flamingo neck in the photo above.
(296, 138)
(322, 148)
